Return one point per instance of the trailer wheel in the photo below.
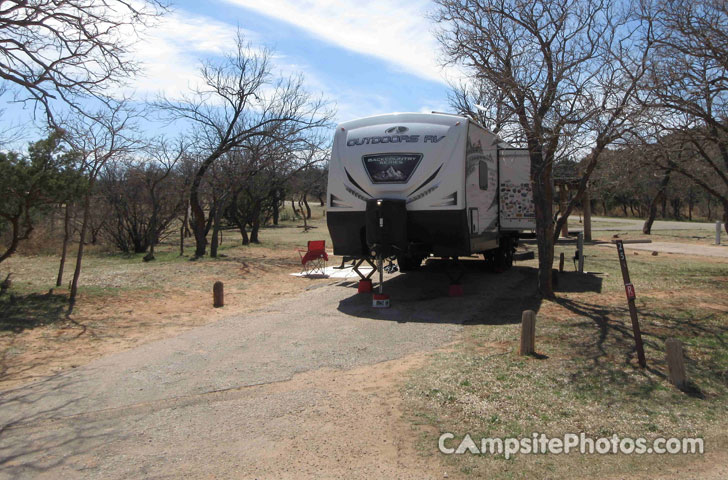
(407, 263)
(501, 259)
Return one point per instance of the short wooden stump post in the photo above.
(676, 363)
(561, 262)
(218, 296)
(528, 333)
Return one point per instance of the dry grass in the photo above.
(585, 378)
(124, 302)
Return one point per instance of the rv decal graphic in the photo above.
(394, 139)
(396, 130)
(391, 167)
(516, 201)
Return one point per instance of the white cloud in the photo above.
(399, 33)
(170, 52)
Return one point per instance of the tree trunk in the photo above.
(543, 200)
(308, 208)
(587, 208)
(624, 209)
(563, 200)
(321, 199)
(604, 207)
(14, 239)
(152, 228)
(199, 226)
(150, 256)
(215, 232)
(710, 213)
(79, 255)
(293, 206)
(676, 208)
(276, 205)
(647, 227)
(198, 230)
(254, 231)
(243, 233)
(725, 215)
(664, 207)
(305, 217)
(182, 230)
(256, 224)
(64, 248)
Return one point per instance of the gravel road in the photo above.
(222, 400)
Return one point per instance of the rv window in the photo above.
(483, 174)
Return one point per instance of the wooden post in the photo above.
(218, 296)
(675, 363)
(561, 262)
(586, 206)
(631, 295)
(563, 201)
(717, 232)
(528, 333)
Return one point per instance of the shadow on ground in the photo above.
(574, 282)
(608, 335)
(423, 295)
(37, 442)
(18, 313)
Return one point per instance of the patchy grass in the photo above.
(124, 301)
(30, 311)
(585, 377)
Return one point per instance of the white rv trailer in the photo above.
(412, 184)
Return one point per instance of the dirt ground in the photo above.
(125, 303)
(344, 422)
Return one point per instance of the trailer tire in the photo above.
(408, 263)
(504, 255)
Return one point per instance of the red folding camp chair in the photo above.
(313, 260)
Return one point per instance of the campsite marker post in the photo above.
(629, 290)
(717, 232)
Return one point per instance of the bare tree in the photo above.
(561, 75)
(98, 138)
(688, 92)
(237, 101)
(58, 53)
(143, 196)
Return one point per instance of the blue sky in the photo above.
(367, 56)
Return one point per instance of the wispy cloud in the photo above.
(170, 53)
(399, 33)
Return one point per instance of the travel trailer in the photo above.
(411, 185)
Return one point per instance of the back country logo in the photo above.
(392, 130)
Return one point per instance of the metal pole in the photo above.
(717, 232)
(580, 246)
(380, 265)
(586, 201)
(631, 295)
